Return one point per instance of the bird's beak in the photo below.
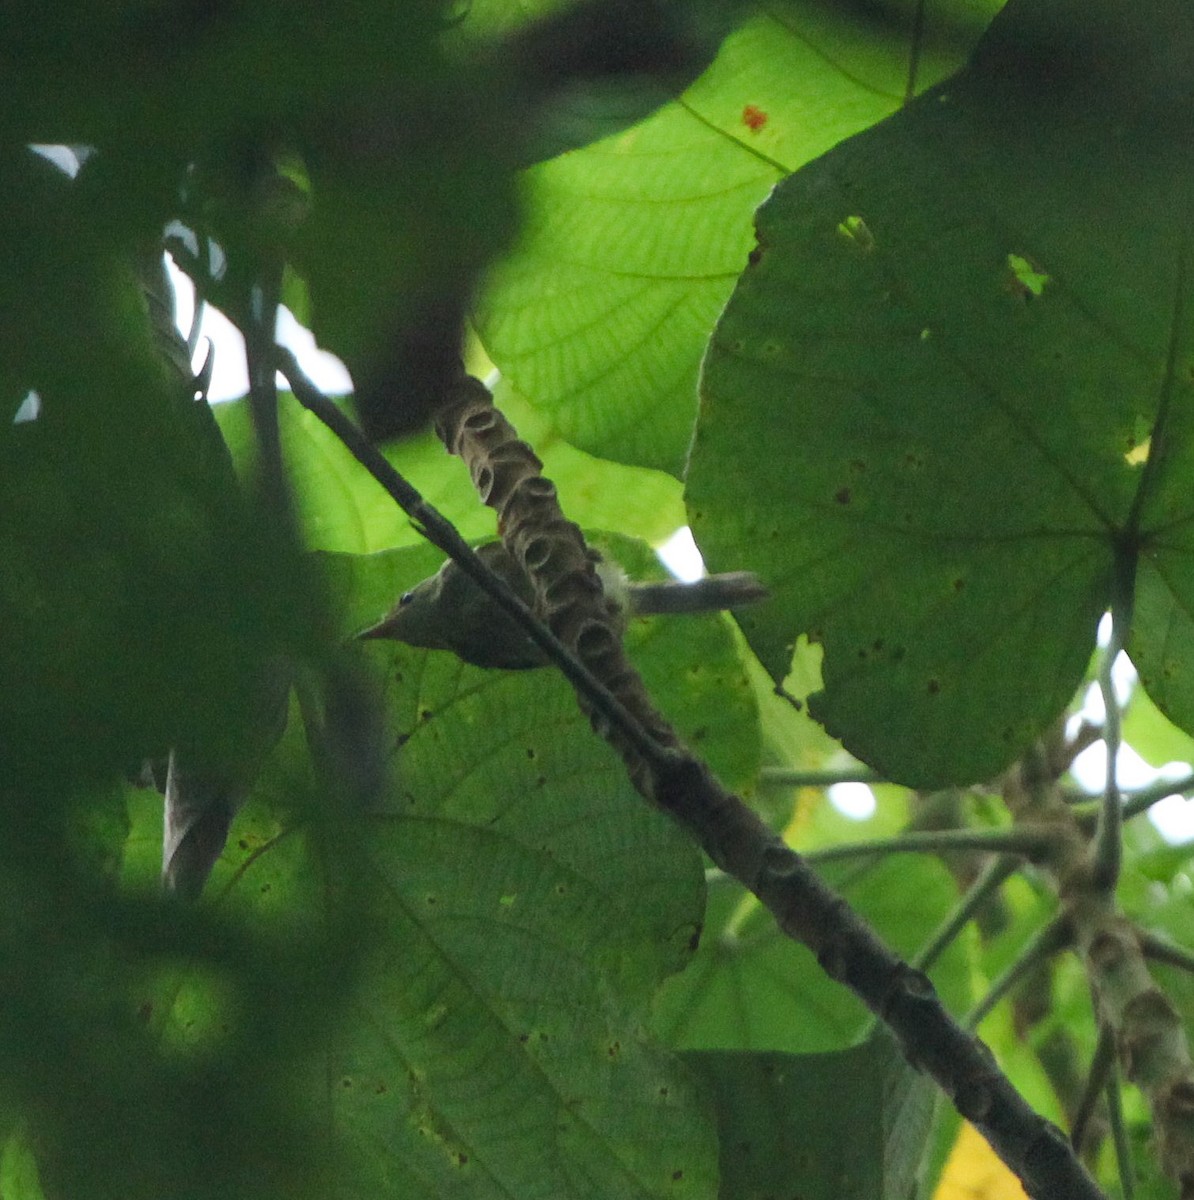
(383, 629)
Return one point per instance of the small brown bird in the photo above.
(450, 612)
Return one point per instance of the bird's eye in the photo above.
(405, 599)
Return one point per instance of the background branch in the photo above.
(1027, 843)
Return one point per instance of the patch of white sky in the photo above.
(1173, 816)
(230, 377)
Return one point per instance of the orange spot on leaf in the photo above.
(753, 118)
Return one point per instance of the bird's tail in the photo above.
(711, 594)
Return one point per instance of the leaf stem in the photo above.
(1102, 1064)
(264, 296)
(1107, 858)
(1119, 1134)
(1025, 843)
(996, 872)
(1057, 935)
(777, 777)
(1162, 950)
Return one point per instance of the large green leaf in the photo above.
(633, 244)
(522, 905)
(927, 406)
(750, 988)
(784, 1119)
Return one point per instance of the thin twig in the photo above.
(203, 265)
(1057, 935)
(1145, 798)
(1101, 1065)
(1086, 812)
(263, 392)
(1107, 857)
(1119, 1134)
(794, 777)
(442, 533)
(1161, 950)
(994, 875)
(1027, 843)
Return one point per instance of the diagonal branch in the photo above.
(442, 533)
(552, 552)
(588, 649)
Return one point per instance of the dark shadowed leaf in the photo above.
(964, 378)
(785, 1122)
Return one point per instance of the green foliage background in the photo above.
(944, 410)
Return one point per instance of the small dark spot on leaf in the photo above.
(934, 686)
(897, 655)
(524, 1038)
(346, 1083)
(265, 887)
(541, 781)
(145, 1011)
(699, 735)
(243, 844)
(857, 466)
(842, 495)
(381, 1089)
(614, 1049)
(532, 753)
(677, 1175)
(862, 653)
(462, 1159)
(425, 714)
(959, 584)
(877, 645)
(431, 901)
(561, 889)
(664, 1091)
